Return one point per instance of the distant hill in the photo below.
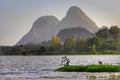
(76, 17)
(76, 32)
(42, 30)
(47, 26)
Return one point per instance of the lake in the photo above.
(42, 67)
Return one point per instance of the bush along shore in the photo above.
(90, 68)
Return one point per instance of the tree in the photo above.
(70, 43)
(93, 49)
(114, 32)
(56, 43)
(103, 33)
(81, 44)
(55, 40)
(23, 51)
(97, 41)
(10, 50)
(42, 49)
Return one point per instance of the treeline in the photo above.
(106, 41)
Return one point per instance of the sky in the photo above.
(17, 16)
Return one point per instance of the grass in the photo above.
(90, 68)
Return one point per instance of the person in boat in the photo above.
(65, 61)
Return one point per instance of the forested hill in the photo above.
(76, 32)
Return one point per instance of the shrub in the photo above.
(90, 68)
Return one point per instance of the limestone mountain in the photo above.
(76, 17)
(41, 30)
(47, 26)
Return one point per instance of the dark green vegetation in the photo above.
(90, 68)
(105, 41)
(110, 77)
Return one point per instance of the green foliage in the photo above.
(109, 77)
(93, 77)
(95, 44)
(90, 68)
(81, 45)
(72, 69)
(103, 68)
(10, 50)
(42, 49)
(69, 44)
(109, 52)
(96, 40)
(72, 52)
(111, 45)
(93, 49)
(114, 32)
(106, 41)
(103, 33)
(56, 44)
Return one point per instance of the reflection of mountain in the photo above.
(76, 32)
(45, 27)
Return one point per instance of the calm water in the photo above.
(42, 67)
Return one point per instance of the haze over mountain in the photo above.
(47, 26)
(41, 30)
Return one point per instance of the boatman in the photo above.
(66, 60)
